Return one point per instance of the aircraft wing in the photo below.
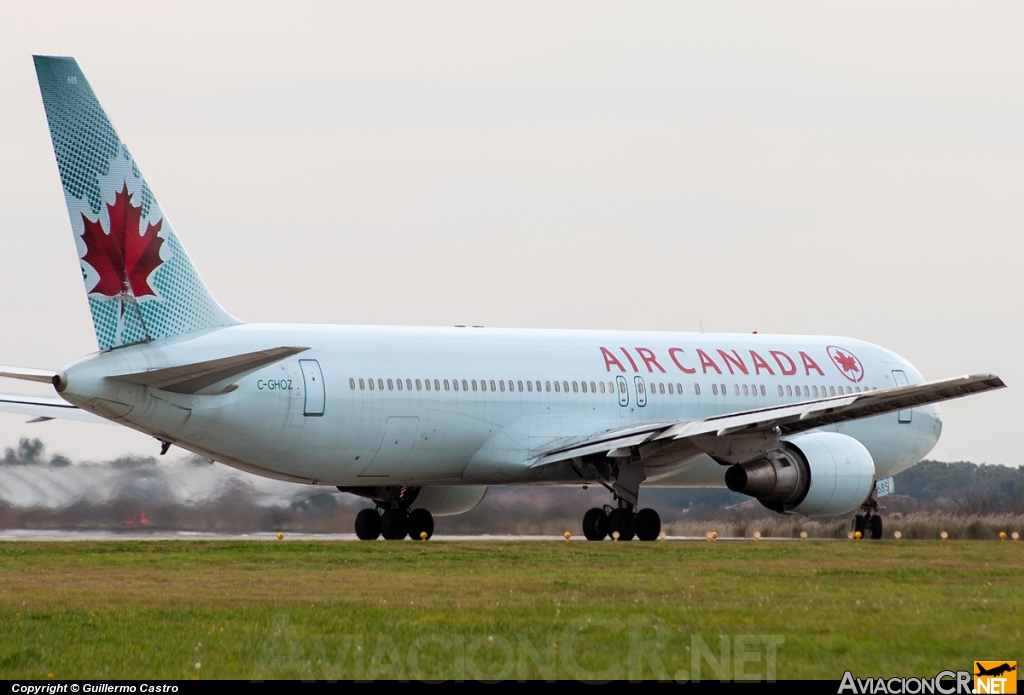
(788, 419)
(43, 408)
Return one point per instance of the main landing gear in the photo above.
(600, 523)
(869, 522)
(623, 523)
(394, 524)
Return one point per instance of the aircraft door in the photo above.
(620, 384)
(313, 382)
(900, 377)
(641, 391)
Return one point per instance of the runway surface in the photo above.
(44, 535)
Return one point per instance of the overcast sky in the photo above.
(854, 169)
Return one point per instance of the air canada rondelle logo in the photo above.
(846, 362)
(124, 258)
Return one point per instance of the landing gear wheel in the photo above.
(648, 524)
(595, 524)
(393, 524)
(859, 524)
(623, 521)
(368, 525)
(875, 526)
(420, 521)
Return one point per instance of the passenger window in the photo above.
(537, 385)
(814, 390)
(418, 385)
(529, 386)
(746, 390)
(493, 387)
(558, 387)
(437, 385)
(565, 386)
(671, 390)
(501, 385)
(465, 385)
(446, 385)
(832, 390)
(408, 384)
(762, 390)
(547, 386)
(736, 388)
(575, 387)
(602, 386)
(622, 387)
(398, 383)
(362, 385)
(696, 389)
(391, 385)
(593, 387)
(583, 385)
(661, 388)
(519, 384)
(724, 392)
(807, 392)
(781, 392)
(455, 384)
(380, 384)
(352, 383)
(371, 384)
(714, 389)
(789, 390)
(679, 388)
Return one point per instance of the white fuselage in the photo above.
(442, 406)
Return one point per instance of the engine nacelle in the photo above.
(818, 473)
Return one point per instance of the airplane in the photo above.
(995, 670)
(420, 421)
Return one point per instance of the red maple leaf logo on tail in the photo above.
(123, 258)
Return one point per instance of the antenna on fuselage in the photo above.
(702, 327)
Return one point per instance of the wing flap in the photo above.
(192, 378)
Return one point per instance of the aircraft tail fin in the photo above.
(140, 283)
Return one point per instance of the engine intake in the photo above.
(819, 473)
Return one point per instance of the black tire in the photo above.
(648, 524)
(368, 525)
(859, 524)
(595, 524)
(623, 521)
(420, 521)
(875, 526)
(393, 524)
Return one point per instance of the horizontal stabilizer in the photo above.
(42, 408)
(193, 378)
(787, 419)
(44, 376)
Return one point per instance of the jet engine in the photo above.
(818, 473)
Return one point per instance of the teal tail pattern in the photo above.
(140, 282)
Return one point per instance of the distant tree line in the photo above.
(132, 492)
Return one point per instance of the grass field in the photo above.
(438, 610)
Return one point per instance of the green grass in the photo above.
(472, 609)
